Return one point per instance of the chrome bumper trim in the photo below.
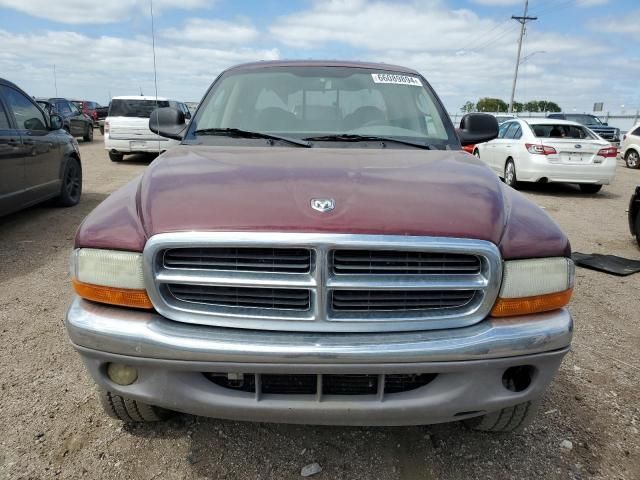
(149, 335)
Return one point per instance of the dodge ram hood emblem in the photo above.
(323, 204)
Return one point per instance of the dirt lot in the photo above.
(51, 425)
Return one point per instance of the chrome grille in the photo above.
(403, 263)
(246, 297)
(399, 300)
(321, 282)
(285, 260)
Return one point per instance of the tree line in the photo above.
(497, 105)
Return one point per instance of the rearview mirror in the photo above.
(167, 122)
(477, 128)
(55, 121)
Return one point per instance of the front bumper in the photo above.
(171, 358)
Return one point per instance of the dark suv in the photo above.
(76, 123)
(610, 134)
(38, 160)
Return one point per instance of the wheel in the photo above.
(637, 228)
(71, 189)
(116, 156)
(508, 419)
(590, 188)
(130, 411)
(510, 177)
(632, 159)
(101, 129)
(476, 153)
(88, 134)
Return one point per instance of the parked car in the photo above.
(610, 134)
(549, 150)
(76, 123)
(38, 160)
(101, 115)
(630, 149)
(503, 118)
(88, 108)
(634, 214)
(308, 254)
(126, 128)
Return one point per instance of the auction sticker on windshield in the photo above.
(396, 79)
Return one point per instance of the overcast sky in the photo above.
(465, 48)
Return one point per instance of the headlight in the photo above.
(532, 286)
(109, 276)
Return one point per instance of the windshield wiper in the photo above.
(237, 132)
(349, 137)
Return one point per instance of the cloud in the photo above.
(627, 25)
(120, 66)
(214, 32)
(497, 3)
(77, 12)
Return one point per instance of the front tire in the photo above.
(632, 159)
(88, 134)
(71, 189)
(116, 156)
(508, 419)
(590, 188)
(131, 411)
(510, 177)
(476, 153)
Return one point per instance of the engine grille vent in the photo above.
(389, 262)
(399, 300)
(331, 384)
(246, 297)
(280, 260)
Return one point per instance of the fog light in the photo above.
(122, 374)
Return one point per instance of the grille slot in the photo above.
(392, 262)
(332, 384)
(278, 260)
(399, 300)
(245, 297)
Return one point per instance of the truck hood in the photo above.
(376, 191)
(379, 191)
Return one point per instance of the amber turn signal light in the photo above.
(114, 296)
(509, 307)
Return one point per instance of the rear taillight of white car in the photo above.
(106, 127)
(608, 152)
(538, 149)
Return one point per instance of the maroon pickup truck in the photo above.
(319, 249)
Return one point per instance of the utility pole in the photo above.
(523, 21)
(55, 79)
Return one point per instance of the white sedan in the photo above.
(550, 150)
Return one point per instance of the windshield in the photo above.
(301, 102)
(584, 119)
(135, 108)
(561, 131)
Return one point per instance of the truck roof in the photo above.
(139, 97)
(322, 63)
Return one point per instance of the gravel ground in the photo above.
(51, 425)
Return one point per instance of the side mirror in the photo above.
(606, 124)
(477, 128)
(167, 122)
(56, 121)
(187, 115)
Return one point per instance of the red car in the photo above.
(316, 250)
(88, 108)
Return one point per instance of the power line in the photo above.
(523, 21)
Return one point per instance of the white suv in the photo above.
(126, 128)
